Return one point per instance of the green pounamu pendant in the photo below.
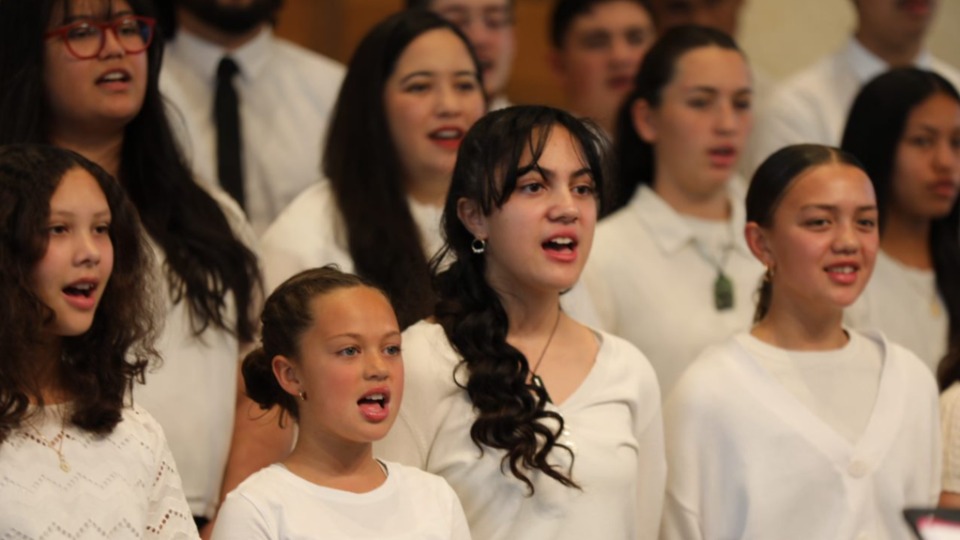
(722, 292)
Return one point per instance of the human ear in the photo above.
(759, 243)
(556, 63)
(644, 121)
(285, 370)
(471, 215)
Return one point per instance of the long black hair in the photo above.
(98, 366)
(770, 184)
(634, 159)
(874, 130)
(364, 168)
(509, 410)
(204, 259)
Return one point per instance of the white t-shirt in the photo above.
(310, 233)
(121, 485)
(193, 392)
(651, 277)
(747, 459)
(612, 425)
(279, 505)
(904, 304)
(286, 95)
(812, 105)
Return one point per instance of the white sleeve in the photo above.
(651, 456)
(168, 515)
(681, 521)
(240, 519)
(459, 530)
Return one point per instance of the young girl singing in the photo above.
(331, 359)
(801, 428)
(76, 325)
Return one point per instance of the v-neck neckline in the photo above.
(876, 438)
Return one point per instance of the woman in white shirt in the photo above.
(672, 256)
(801, 428)
(545, 428)
(905, 127)
(412, 91)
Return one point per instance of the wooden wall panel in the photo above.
(334, 27)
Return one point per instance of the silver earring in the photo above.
(478, 246)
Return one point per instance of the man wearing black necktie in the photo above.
(252, 108)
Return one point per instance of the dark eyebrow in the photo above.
(461, 73)
(834, 208)
(417, 74)
(549, 174)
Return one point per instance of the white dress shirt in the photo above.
(650, 283)
(193, 392)
(286, 95)
(812, 105)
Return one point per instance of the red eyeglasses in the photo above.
(85, 39)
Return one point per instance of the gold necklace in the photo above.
(55, 444)
(535, 379)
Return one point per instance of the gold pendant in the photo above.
(64, 466)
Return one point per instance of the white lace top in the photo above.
(121, 485)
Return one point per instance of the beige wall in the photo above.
(780, 36)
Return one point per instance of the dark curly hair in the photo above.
(99, 366)
(509, 410)
(203, 258)
(286, 317)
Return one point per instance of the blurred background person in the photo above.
(596, 50)
(489, 25)
(812, 105)
(413, 89)
(670, 271)
(904, 127)
(250, 109)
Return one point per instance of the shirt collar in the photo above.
(668, 228)
(204, 57)
(866, 65)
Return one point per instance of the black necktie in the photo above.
(227, 116)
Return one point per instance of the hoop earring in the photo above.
(303, 395)
(478, 246)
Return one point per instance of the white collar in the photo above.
(866, 65)
(669, 229)
(203, 57)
